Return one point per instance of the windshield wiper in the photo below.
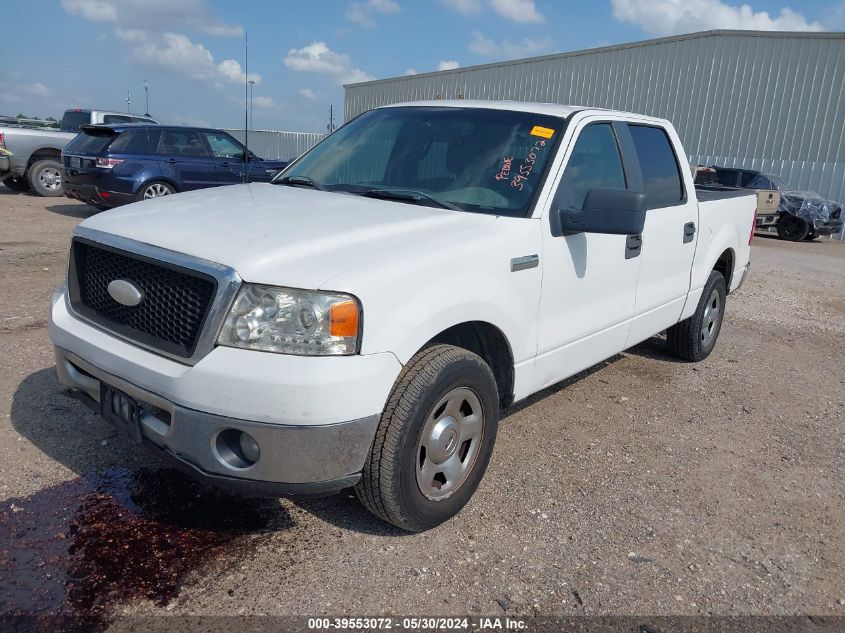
(409, 195)
(296, 181)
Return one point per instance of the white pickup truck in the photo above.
(363, 320)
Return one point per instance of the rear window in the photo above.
(73, 119)
(89, 143)
(660, 169)
(131, 142)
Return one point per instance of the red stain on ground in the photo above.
(71, 552)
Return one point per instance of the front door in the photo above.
(589, 280)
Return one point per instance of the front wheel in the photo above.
(694, 338)
(155, 189)
(792, 228)
(434, 440)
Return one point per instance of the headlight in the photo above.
(291, 321)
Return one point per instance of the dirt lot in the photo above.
(643, 486)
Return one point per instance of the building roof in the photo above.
(614, 47)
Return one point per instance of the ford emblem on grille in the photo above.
(125, 292)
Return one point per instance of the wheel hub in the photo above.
(449, 443)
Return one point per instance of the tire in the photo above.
(430, 422)
(792, 228)
(694, 338)
(155, 189)
(17, 184)
(46, 178)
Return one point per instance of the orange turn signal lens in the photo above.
(343, 319)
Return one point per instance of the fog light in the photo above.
(249, 448)
(236, 449)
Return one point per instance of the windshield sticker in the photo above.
(545, 132)
(527, 165)
(505, 171)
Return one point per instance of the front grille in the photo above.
(172, 312)
(836, 213)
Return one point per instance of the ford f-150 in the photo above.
(363, 319)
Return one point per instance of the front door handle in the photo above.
(689, 232)
(633, 246)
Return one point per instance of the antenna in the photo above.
(246, 108)
(128, 100)
(147, 98)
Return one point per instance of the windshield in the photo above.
(778, 182)
(473, 159)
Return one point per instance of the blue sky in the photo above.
(88, 53)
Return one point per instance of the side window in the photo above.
(132, 142)
(595, 163)
(745, 178)
(180, 143)
(223, 146)
(116, 118)
(661, 174)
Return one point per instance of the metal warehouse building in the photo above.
(759, 100)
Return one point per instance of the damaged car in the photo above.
(800, 215)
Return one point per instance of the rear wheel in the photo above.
(434, 440)
(792, 228)
(17, 184)
(45, 178)
(694, 338)
(155, 189)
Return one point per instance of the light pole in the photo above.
(146, 98)
(251, 120)
(128, 101)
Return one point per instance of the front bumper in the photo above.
(313, 418)
(293, 459)
(831, 227)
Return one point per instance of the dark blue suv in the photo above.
(109, 165)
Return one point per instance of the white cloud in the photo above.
(506, 49)
(360, 12)
(410, 71)
(176, 53)
(448, 65)
(264, 103)
(667, 17)
(464, 6)
(156, 15)
(317, 57)
(37, 89)
(521, 11)
(307, 93)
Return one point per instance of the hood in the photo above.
(281, 235)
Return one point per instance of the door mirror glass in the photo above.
(609, 211)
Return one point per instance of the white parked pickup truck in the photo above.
(363, 320)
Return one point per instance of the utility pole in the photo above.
(331, 126)
(128, 101)
(147, 98)
(251, 117)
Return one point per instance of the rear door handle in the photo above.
(633, 246)
(689, 232)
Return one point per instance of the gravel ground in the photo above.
(642, 486)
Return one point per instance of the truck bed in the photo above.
(709, 193)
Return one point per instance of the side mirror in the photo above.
(608, 211)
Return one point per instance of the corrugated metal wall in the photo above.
(770, 101)
(278, 145)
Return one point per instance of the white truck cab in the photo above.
(362, 320)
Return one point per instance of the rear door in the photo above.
(184, 157)
(669, 235)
